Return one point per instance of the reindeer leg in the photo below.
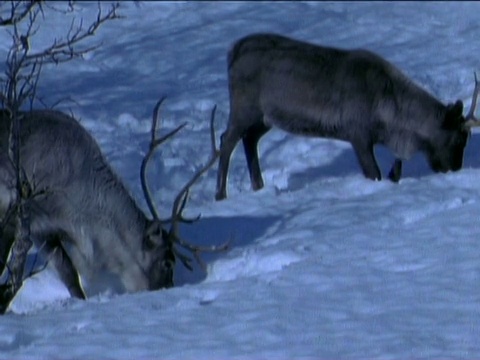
(6, 242)
(15, 247)
(396, 172)
(68, 273)
(367, 161)
(63, 264)
(250, 145)
(230, 139)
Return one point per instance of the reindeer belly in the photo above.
(304, 123)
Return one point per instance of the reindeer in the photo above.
(85, 221)
(350, 95)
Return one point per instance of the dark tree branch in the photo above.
(67, 49)
(17, 11)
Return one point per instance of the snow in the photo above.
(324, 263)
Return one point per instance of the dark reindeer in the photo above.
(350, 95)
(85, 221)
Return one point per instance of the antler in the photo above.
(181, 199)
(471, 120)
(154, 143)
(180, 202)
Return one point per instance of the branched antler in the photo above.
(180, 202)
(182, 197)
(154, 143)
(471, 120)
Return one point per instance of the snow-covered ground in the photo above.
(324, 263)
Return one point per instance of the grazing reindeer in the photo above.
(86, 221)
(350, 95)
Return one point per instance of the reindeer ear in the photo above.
(453, 117)
(456, 109)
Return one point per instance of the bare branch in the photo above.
(65, 50)
(21, 79)
(17, 14)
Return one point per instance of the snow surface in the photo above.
(324, 263)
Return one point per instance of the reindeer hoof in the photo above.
(396, 172)
(220, 196)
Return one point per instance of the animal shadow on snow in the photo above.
(347, 164)
(239, 231)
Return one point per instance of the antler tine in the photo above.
(181, 199)
(470, 117)
(154, 143)
(153, 129)
(180, 202)
(178, 209)
(196, 250)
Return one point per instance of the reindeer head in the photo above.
(447, 152)
(162, 256)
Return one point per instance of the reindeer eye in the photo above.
(148, 243)
(168, 264)
(155, 231)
